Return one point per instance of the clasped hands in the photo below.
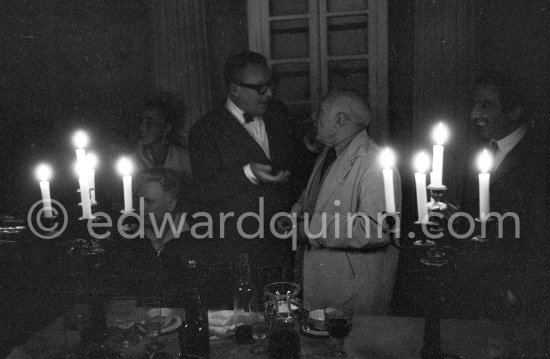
(263, 173)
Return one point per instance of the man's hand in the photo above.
(263, 173)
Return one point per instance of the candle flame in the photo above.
(124, 166)
(43, 172)
(421, 162)
(91, 159)
(80, 139)
(440, 134)
(484, 161)
(387, 158)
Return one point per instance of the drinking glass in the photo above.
(338, 322)
(153, 325)
(123, 313)
(260, 327)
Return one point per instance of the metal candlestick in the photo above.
(435, 256)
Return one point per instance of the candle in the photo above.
(440, 135)
(421, 164)
(43, 174)
(91, 160)
(484, 163)
(125, 169)
(80, 141)
(83, 181)
(388, 159)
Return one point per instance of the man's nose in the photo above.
(268, 93)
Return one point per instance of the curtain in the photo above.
(180, 56)
(445, 59)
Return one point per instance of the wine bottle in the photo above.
(243, 293)
(193, 335)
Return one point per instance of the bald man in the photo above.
(349, 264)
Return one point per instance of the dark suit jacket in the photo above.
(518, 185)
(219, 147)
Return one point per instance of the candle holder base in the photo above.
(485, 231)
(424, 243)
(86, 244)
(435, 258)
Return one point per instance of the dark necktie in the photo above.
(331, 156)
(248, 117)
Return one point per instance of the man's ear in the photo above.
(233, 89)
(172, 205)
(516, 114)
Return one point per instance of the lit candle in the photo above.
(484, 163)
(388, 160)
(80, 141)
(83, 181)
(43, 174)
(91, 160)
(421, 164)
(440, 135)
(125, 169)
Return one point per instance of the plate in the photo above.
(175, 323)
(314, 332)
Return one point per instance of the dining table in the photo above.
(373, 337)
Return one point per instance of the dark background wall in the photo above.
(66, 64)
(70, 63)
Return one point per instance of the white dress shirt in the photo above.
(506, 144)
(256, 129)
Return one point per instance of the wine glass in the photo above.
(260, 327)
(153, 324)
(338, 322)
(123, 314)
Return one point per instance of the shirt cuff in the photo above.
(249, 174)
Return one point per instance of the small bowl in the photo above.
(316, 320)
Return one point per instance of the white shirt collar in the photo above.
(235, 111)
(507, 143)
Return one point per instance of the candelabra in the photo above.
(436, 256)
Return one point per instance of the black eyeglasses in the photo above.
(260, 88)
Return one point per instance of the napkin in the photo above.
(222, 323)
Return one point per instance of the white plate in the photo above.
(174, 324)
(314, 332)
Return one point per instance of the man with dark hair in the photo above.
(517, 186)
(240, 154)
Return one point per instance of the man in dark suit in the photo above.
(518, 186)
(240, 155)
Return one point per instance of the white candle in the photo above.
(125, 168)
(484, 162)
(91, 160)
(80, 141)
(85, 196)
(388, 159)
(421, 164)
(440, 136)
(44, 173)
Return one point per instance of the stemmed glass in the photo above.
(338, 322)
(260, 327)
(153, 324)
(123, 312)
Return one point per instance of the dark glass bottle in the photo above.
(193, 335)
(244, 291)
